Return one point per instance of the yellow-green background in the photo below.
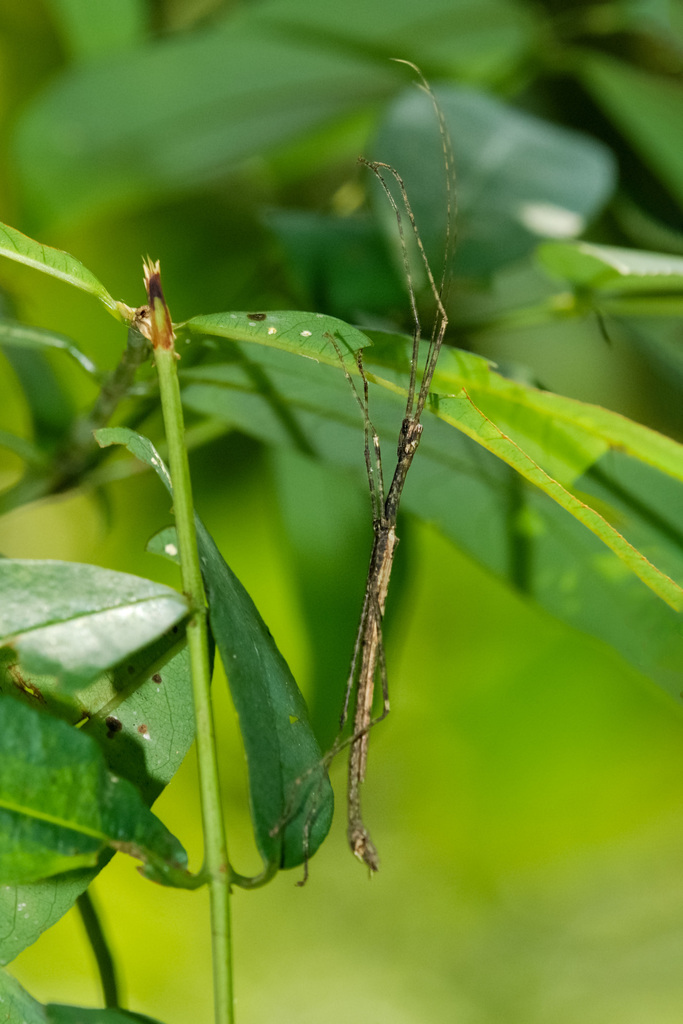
(525, 793)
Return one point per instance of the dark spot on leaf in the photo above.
(257, 316)
(113, 726)
(143, 730)
(157, 678)
(175, 629)
(25, 685)
(131, 669)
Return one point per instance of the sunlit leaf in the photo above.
(16, 246)
(308, 334)
(60, 806)
(75, 621)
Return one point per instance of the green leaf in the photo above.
(18, 1007)
(75, 621)
(16, 335)
(88, 143)
(60, 806)
(26, 911)
(518, 178)
(607, 268)
(141, 715)
(291, 796)
(511, 527)
(57, 1014)
(647, 108)
(307, 334)
(96, 30)
(16, 246)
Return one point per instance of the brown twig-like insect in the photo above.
(368, 655)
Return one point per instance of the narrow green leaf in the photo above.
(647, 108)
(60, 806)
(307, 334)
(26, 450)
(57, 1014)
(16, 246)
(564, 435)
(614, 271)
(462, 413)
(291, 797)
(19, 335)
(74, 621)
(475, 498)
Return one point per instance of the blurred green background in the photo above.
(525, 793)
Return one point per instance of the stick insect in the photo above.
(368, 661)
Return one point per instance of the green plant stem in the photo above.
(215, 855)
(100, 947)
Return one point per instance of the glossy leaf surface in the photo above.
(75, 621)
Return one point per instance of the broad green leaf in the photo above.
(18, 1007)
(307, 334)
(140, 712)
(16, 246)
(647, 108)
(141, 715)
(478, 500)
(618, 276)
(26, 911)
(75, 621)
(60, 806)
(291, 797)
(518, 178)
(261, 76)
(16, 335)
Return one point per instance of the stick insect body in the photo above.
(368, 655)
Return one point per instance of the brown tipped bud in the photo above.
(160, 327)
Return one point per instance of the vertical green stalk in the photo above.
(100, 948)
(215, 846)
